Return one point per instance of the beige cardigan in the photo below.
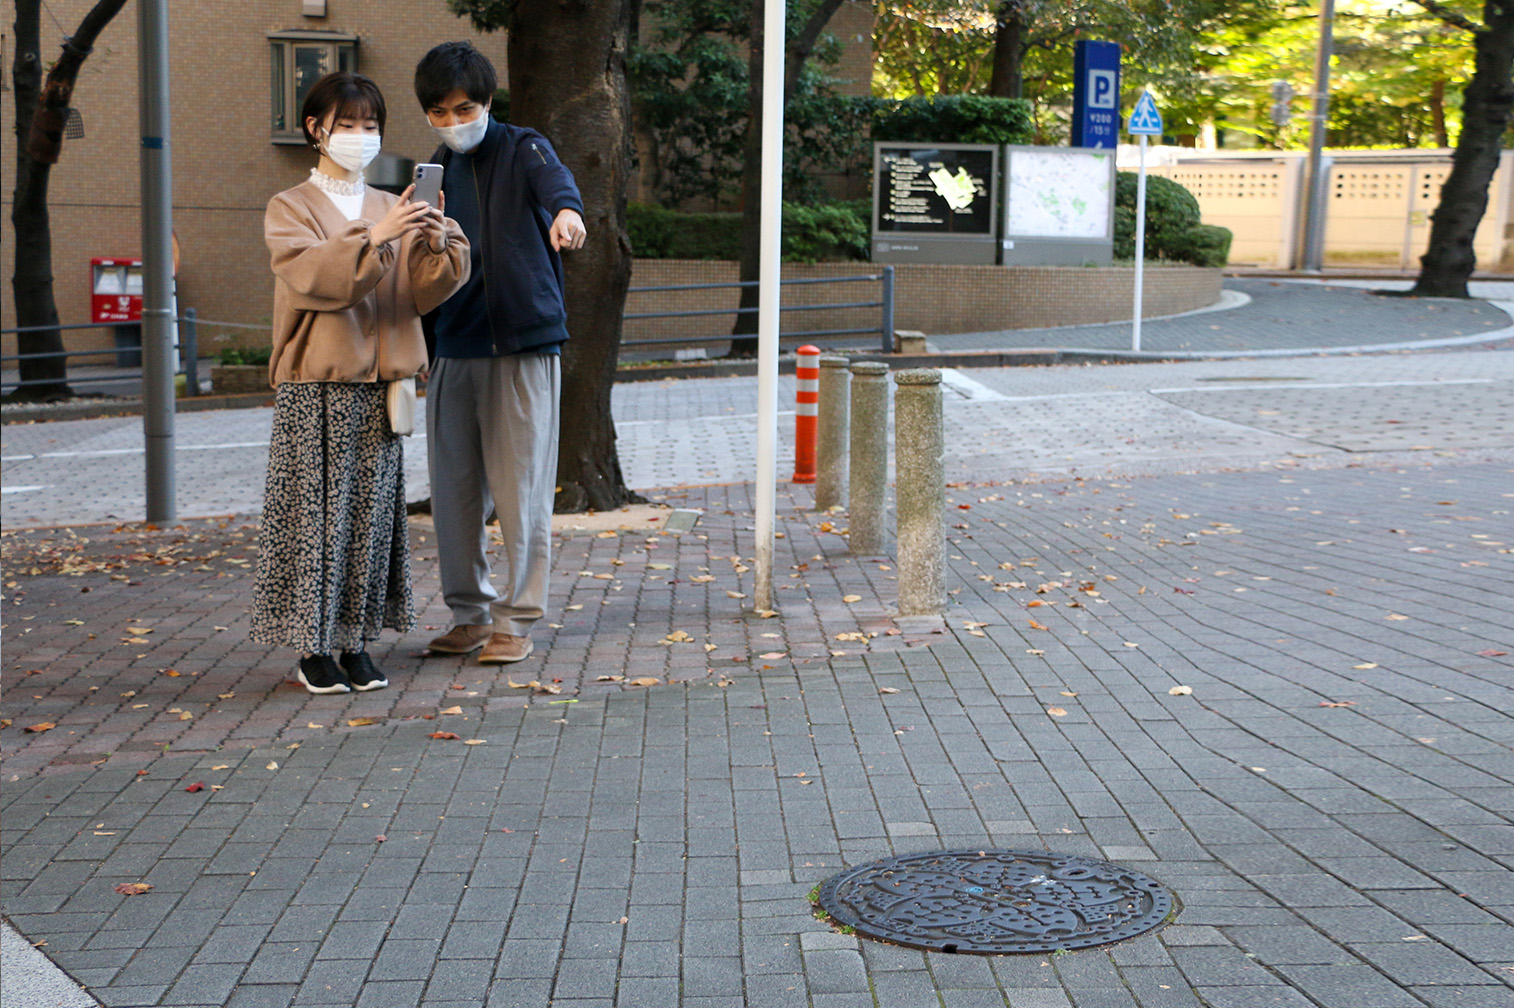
(342, 311)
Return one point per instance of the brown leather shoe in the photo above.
(463, 638)
(504, 648)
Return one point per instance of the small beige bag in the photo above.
(402, 406)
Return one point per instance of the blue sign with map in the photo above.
(1096, 94)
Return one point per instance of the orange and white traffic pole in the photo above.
(806, 410)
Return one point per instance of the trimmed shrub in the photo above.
(954, 119)
(1173, 228)
(825, 233)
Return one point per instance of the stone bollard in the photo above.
(832, 432)
(920, 496)
(869, 457)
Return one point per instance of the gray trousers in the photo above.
(491, 439)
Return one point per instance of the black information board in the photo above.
(934, 191)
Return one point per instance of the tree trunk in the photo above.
(1438, 113)
(1009, 46)
(1486, 107)
(567, 79)
(744, 329)
(32, 280)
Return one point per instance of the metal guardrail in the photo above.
(188, 347)
(885, 304)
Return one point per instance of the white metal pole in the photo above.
(1140, 250)
(769, 273)
(157, 260)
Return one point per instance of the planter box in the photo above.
(235, 379)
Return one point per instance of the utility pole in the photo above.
(1318, 170)
(157, 260)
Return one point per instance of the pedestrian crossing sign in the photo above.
(1145, 120)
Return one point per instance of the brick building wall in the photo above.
(929, 298)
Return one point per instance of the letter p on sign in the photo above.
(1101, 89)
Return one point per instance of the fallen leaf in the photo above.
(1366, 665)
(546, 688)
(702, 578)
(196, 786)
(1180, 691)
(609, 678)
(444, 735)
(1066, 693)
(1338, 703)
(887, 689)
(644, 681)
(380, 838)
(358, 722)
(849, 599)
(41, 726)
(766, 613)
(1056, 711)
(132, 888)
(1131, 644)
(273, 765)
(735, 594)
(474, 741)
(1395, 616)
(138, 630)
(451, 710)
(1036, 626)
(73, 622)
(660, 566)
(312, 724)
(1490, 653)
(771, 655)
(134, 640)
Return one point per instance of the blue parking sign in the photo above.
(1096, 94)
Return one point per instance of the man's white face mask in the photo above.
(465, 136)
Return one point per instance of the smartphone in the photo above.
(428, 184)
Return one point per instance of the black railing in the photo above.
(885, 304)
(128, 355)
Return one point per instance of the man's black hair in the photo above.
(454, 65)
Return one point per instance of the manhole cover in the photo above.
(995, 901)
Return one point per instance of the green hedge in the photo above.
(1173, 229)
(828, 232)
(954, 119)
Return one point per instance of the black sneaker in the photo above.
(322, 675)
(361, 671)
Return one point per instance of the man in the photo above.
(492, 398)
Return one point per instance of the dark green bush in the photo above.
(954, 119)
(1173, 229)
(827, 232)
(235, 356)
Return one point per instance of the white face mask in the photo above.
(353, 151)
(465, 136)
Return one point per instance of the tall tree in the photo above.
(567, 78)
(1486, 106)
(41, 111)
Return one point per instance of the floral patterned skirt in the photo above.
(333, 554)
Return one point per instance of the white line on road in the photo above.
(102, 452)
(1233, 386)
(24, 489)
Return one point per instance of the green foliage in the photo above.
(826, 232)
(234, 356)
(658, 233)
(954, 119)
(690, 99)
(1173, 229)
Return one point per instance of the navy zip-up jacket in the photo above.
(517, 276)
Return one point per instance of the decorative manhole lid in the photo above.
(995, 901)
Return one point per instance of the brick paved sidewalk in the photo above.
(1331, 805)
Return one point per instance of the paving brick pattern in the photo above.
(1331, 804)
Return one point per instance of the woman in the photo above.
(354, 270)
